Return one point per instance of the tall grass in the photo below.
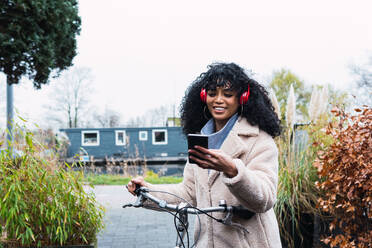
(297, 194)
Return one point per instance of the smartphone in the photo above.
(196, 140)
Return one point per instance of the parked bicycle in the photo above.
(183, 209)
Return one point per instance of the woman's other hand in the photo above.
(214, 160)
(135, 181)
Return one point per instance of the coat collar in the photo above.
(233, 144)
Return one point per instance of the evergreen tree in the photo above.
(37, 37)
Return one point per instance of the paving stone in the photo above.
(134, 227)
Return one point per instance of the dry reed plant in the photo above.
(131, 166)
(318, 104)
(291, 108)
(313, 101)
(324, 100)
(297, 194)
(274, 102)
(290, 118)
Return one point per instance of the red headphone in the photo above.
(243, 98)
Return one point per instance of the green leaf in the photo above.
(26, 217)
(29, 141)
(22, 119)
(6, 196)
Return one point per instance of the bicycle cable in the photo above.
(179, 219)
(225, 221)
(202, 211)
(178, 232)
(197, 214)
(190, 206)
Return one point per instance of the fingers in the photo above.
(198, 154)
(204, 161)
(132, 184)
(131, 187)
(210, 158)
(204, 150)
(201, 163)
(139, 180)
(206, 154)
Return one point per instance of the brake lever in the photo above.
(140, 198)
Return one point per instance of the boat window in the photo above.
(142, 135)
(120, 138)
(90, 138)
(159, 137)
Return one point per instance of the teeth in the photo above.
(217, 108)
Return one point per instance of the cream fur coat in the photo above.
(256, 158)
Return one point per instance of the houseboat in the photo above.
(142, 144)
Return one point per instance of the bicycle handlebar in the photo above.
(143, 194)
(184, 209)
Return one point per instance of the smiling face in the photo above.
(222, 103)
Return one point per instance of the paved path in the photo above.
(133, 227)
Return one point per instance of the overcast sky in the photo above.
(144, 54)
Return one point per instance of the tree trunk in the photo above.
(9, 111)
(69, 117)
(76, 117)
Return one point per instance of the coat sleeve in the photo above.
(184, 190)
(255, 185)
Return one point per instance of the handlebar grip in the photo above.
(137, 190)
(242, 212)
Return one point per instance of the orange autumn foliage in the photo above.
(345, 172)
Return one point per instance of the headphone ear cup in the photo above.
(203, 95)
(244, 97)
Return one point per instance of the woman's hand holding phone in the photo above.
(213, 159)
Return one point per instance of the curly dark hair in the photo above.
(258, 110)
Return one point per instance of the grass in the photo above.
(122, 180)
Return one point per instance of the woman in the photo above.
(241, 164)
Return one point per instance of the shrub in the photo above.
(345, 172)
(43, 204)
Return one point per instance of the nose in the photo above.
(219, 97)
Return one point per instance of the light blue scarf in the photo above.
(216, 139)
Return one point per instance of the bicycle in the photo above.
(184, 209)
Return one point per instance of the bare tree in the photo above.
(158, 116)
(69, 97)
(363, 73)
(362, 94)
(139, 121)
(153, 117)
(109, 118)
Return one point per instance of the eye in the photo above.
(229, 94)
(211, 93)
